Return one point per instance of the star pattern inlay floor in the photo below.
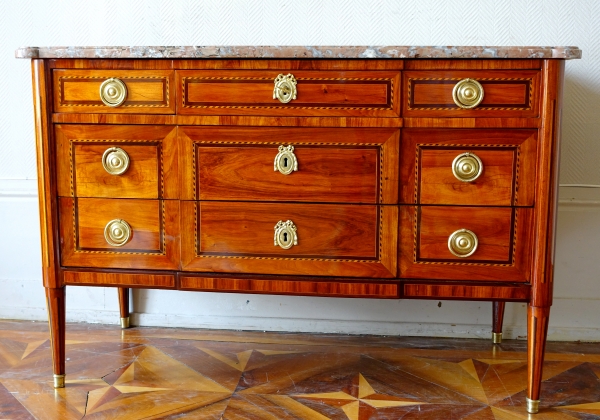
(160, 373)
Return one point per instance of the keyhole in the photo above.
(285, 239)
(285, 162)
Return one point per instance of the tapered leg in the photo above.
(55, 301)
(124, 306)
(537, 330)
(497, 323)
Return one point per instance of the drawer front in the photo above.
(274, 238)
(117, 161)
(441, 93)
(290, 164)
(134, 92)
(468, 167)
(491, 243)
(318, 93)
(121, 233)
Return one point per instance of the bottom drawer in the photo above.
(275, 238)
(465, 243)
(119, 233)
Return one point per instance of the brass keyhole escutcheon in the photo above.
(467, 93)
(115, 161)
(285, 88)
(286, 161)
(113, 92)
(463, 243)
(467, 167)
(117, 232)
(286, 234)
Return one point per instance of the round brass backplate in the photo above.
(113, 92)
(117, 232)
(463, 243)
(115, 161)
(467, 167)
(467, 93)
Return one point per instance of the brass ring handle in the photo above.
(463, 243)
(117, 232)
(286, 161)
(467, 167)
(286, 234)
(467, 93)
(285, 88)
(115, 161)
(113, 92)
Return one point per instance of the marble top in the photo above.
(274, 51)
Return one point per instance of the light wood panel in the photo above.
(320, 93)
(503, 253)
(153, 156)
(334, 165)
(148, 91)
(154, 242)
(506, 93)
(508, 157)
(333, 240)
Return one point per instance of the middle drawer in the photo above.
(326, 165)
(349, 240)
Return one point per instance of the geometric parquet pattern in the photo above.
(160, 373)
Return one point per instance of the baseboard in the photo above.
(304, 325)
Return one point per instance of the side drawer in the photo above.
(117, 161)
(485, 167)
(301, 239)
(465, 243)
(323, 93)
(451, 93)
(119, 233)
(339, 165)
(134, 91)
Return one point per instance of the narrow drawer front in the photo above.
(123, 91)
(273, 238)
(117, 161)
(290, 164)
(121, 233)
(312, 93)
(468, 167)
(452, 93)
(465, 243)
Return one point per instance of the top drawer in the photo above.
(471, 93)
(124, 91)
(307, 92)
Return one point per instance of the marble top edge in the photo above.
(332, 52)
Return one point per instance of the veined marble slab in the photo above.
(275, 51)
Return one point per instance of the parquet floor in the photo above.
(161, 373)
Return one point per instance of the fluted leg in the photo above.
(498, 309)
(124, 306)
(55, 301)
(537, 330)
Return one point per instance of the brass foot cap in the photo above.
(59, 381)
(125, 322)
(496, 338)
(533, 406)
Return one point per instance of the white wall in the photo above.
(575, 314)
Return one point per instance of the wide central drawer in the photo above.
(308, 92)
(277, 238)
(335, 165)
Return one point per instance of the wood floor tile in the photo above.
(157, 373)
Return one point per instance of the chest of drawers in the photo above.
(373, 178)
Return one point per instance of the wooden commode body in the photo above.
(395, 178)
